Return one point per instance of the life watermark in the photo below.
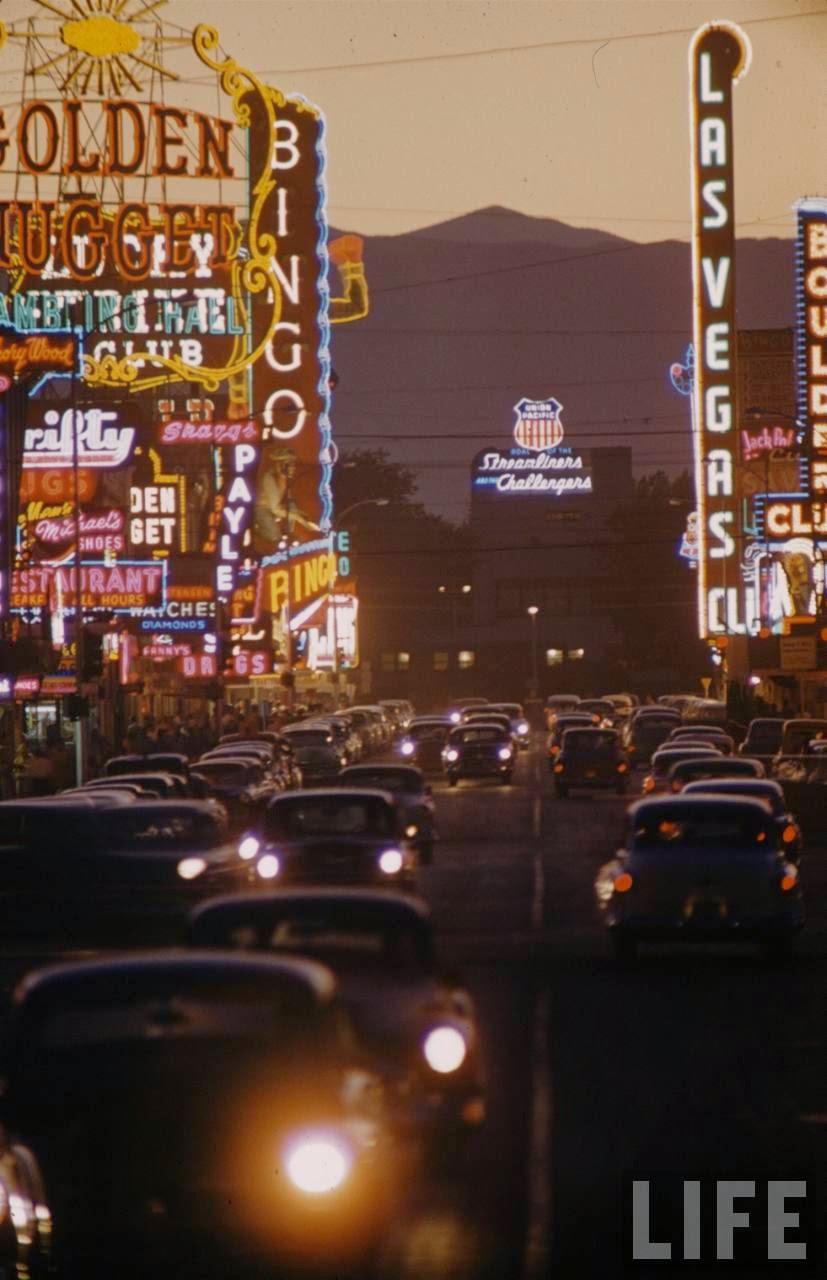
(720, 1221)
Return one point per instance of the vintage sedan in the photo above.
(76, 867)
(700, 868)
(415, 1022)
(519, 724)
(657, 779)
(686, 771)
(591, 759)
(176, 1110)
(479, 750)
(423, 742)
(412, 794)
(571, 720)
(332, 836)
(646, 731)
(157, 762)
(770, 793)
(320, 765)
(240, 783)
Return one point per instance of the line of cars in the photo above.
(474, 738)
(267, 1089)
(711, 852)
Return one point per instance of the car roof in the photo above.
(591, 729)
(333, 793)
(695, 803)
(740, 786)
(676, 749)
(482, 723)
(735, 766)
(249, 762)
(317, 980)
(353, 904)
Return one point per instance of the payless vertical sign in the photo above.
(811, 336)
(719, 55)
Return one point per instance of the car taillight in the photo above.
(789, 835)
(676, 786)
(789, 880)
(623, 883)
(622, 767)
(559, 767)
(649, 783)
(554, 751)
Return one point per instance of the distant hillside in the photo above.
(470, 315)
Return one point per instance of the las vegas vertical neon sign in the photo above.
(719, 56)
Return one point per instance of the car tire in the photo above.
(624, 947)
(562, 790)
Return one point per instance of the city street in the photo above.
(710, 1061)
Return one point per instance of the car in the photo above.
(572, 720)
(332, 836)
(663, 759)
(401, 710)
(96, 869)
(423, 742)
(413, 798)
(456, 708)
(770, 793)
(685, 771)
(505, 722)
(414, 1021)
(703, 734)
(591, 759)
(705, 711)
(165, 786)
(262, 752)
(763, 739)
(519, 725)
(790, 762)
(320, 765)
(240, 783)
(157, 762)
(189, 1109)
(699, 868)
(643, 733)
(479, 750)
(559, 704)
(601, 711)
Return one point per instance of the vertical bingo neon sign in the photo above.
(719, 56)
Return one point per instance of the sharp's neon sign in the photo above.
(719, 56)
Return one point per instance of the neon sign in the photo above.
(93, 433)
(719, 56)
(538, 424)
(811, 334)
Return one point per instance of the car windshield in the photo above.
(765, 736)
(482, 733)
(316, 754)
(231, 771)
(384, 780)
(586, 740)
(417, 731)
(324, 815)
(744, 832)
(336, 941)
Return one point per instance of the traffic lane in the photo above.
(702, 1061)
(469, 1221)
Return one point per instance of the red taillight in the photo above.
(788, 881)
(676, 786)
(559, 767)
(623, 883)
(789, 834)
(621, 768)
(554, 751)
(649, 784)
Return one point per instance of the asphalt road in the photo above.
(710, 1062)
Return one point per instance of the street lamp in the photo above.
(532, 612)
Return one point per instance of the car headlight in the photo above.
(411, 830)
(445, 1050)
(455, 717)
(391, 862)
(451, 754)
(407, 748)
(268, 867)
(522, 728)
(318, 1163)
(505, 753)
(248, 848)
(191, 868)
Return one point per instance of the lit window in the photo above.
(576, 654)
(553, 656)
(441, 661)
(465, 659)
(403, 661)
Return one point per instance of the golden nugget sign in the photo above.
(719, 55)
(104, 234)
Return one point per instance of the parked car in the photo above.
(411, 793)
(695, 868)
(156, 762)
(192, 1109)
(240, 783)
(320, 765)
(415, 1023)
(591, 759)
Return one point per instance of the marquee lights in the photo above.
(719, 56)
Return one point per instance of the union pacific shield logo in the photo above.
(538, 424)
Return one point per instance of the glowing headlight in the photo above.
(268, 867)
(455, 717)
(522, 728)
(407, 748)
(452, 755)
(391, 862)
(318, 1164)
(191, 868)
(445, 1050)
(505, 753)
(248, 848)
(411, 830)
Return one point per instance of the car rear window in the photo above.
(417, 731)
(586, 740)
(745, 833)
